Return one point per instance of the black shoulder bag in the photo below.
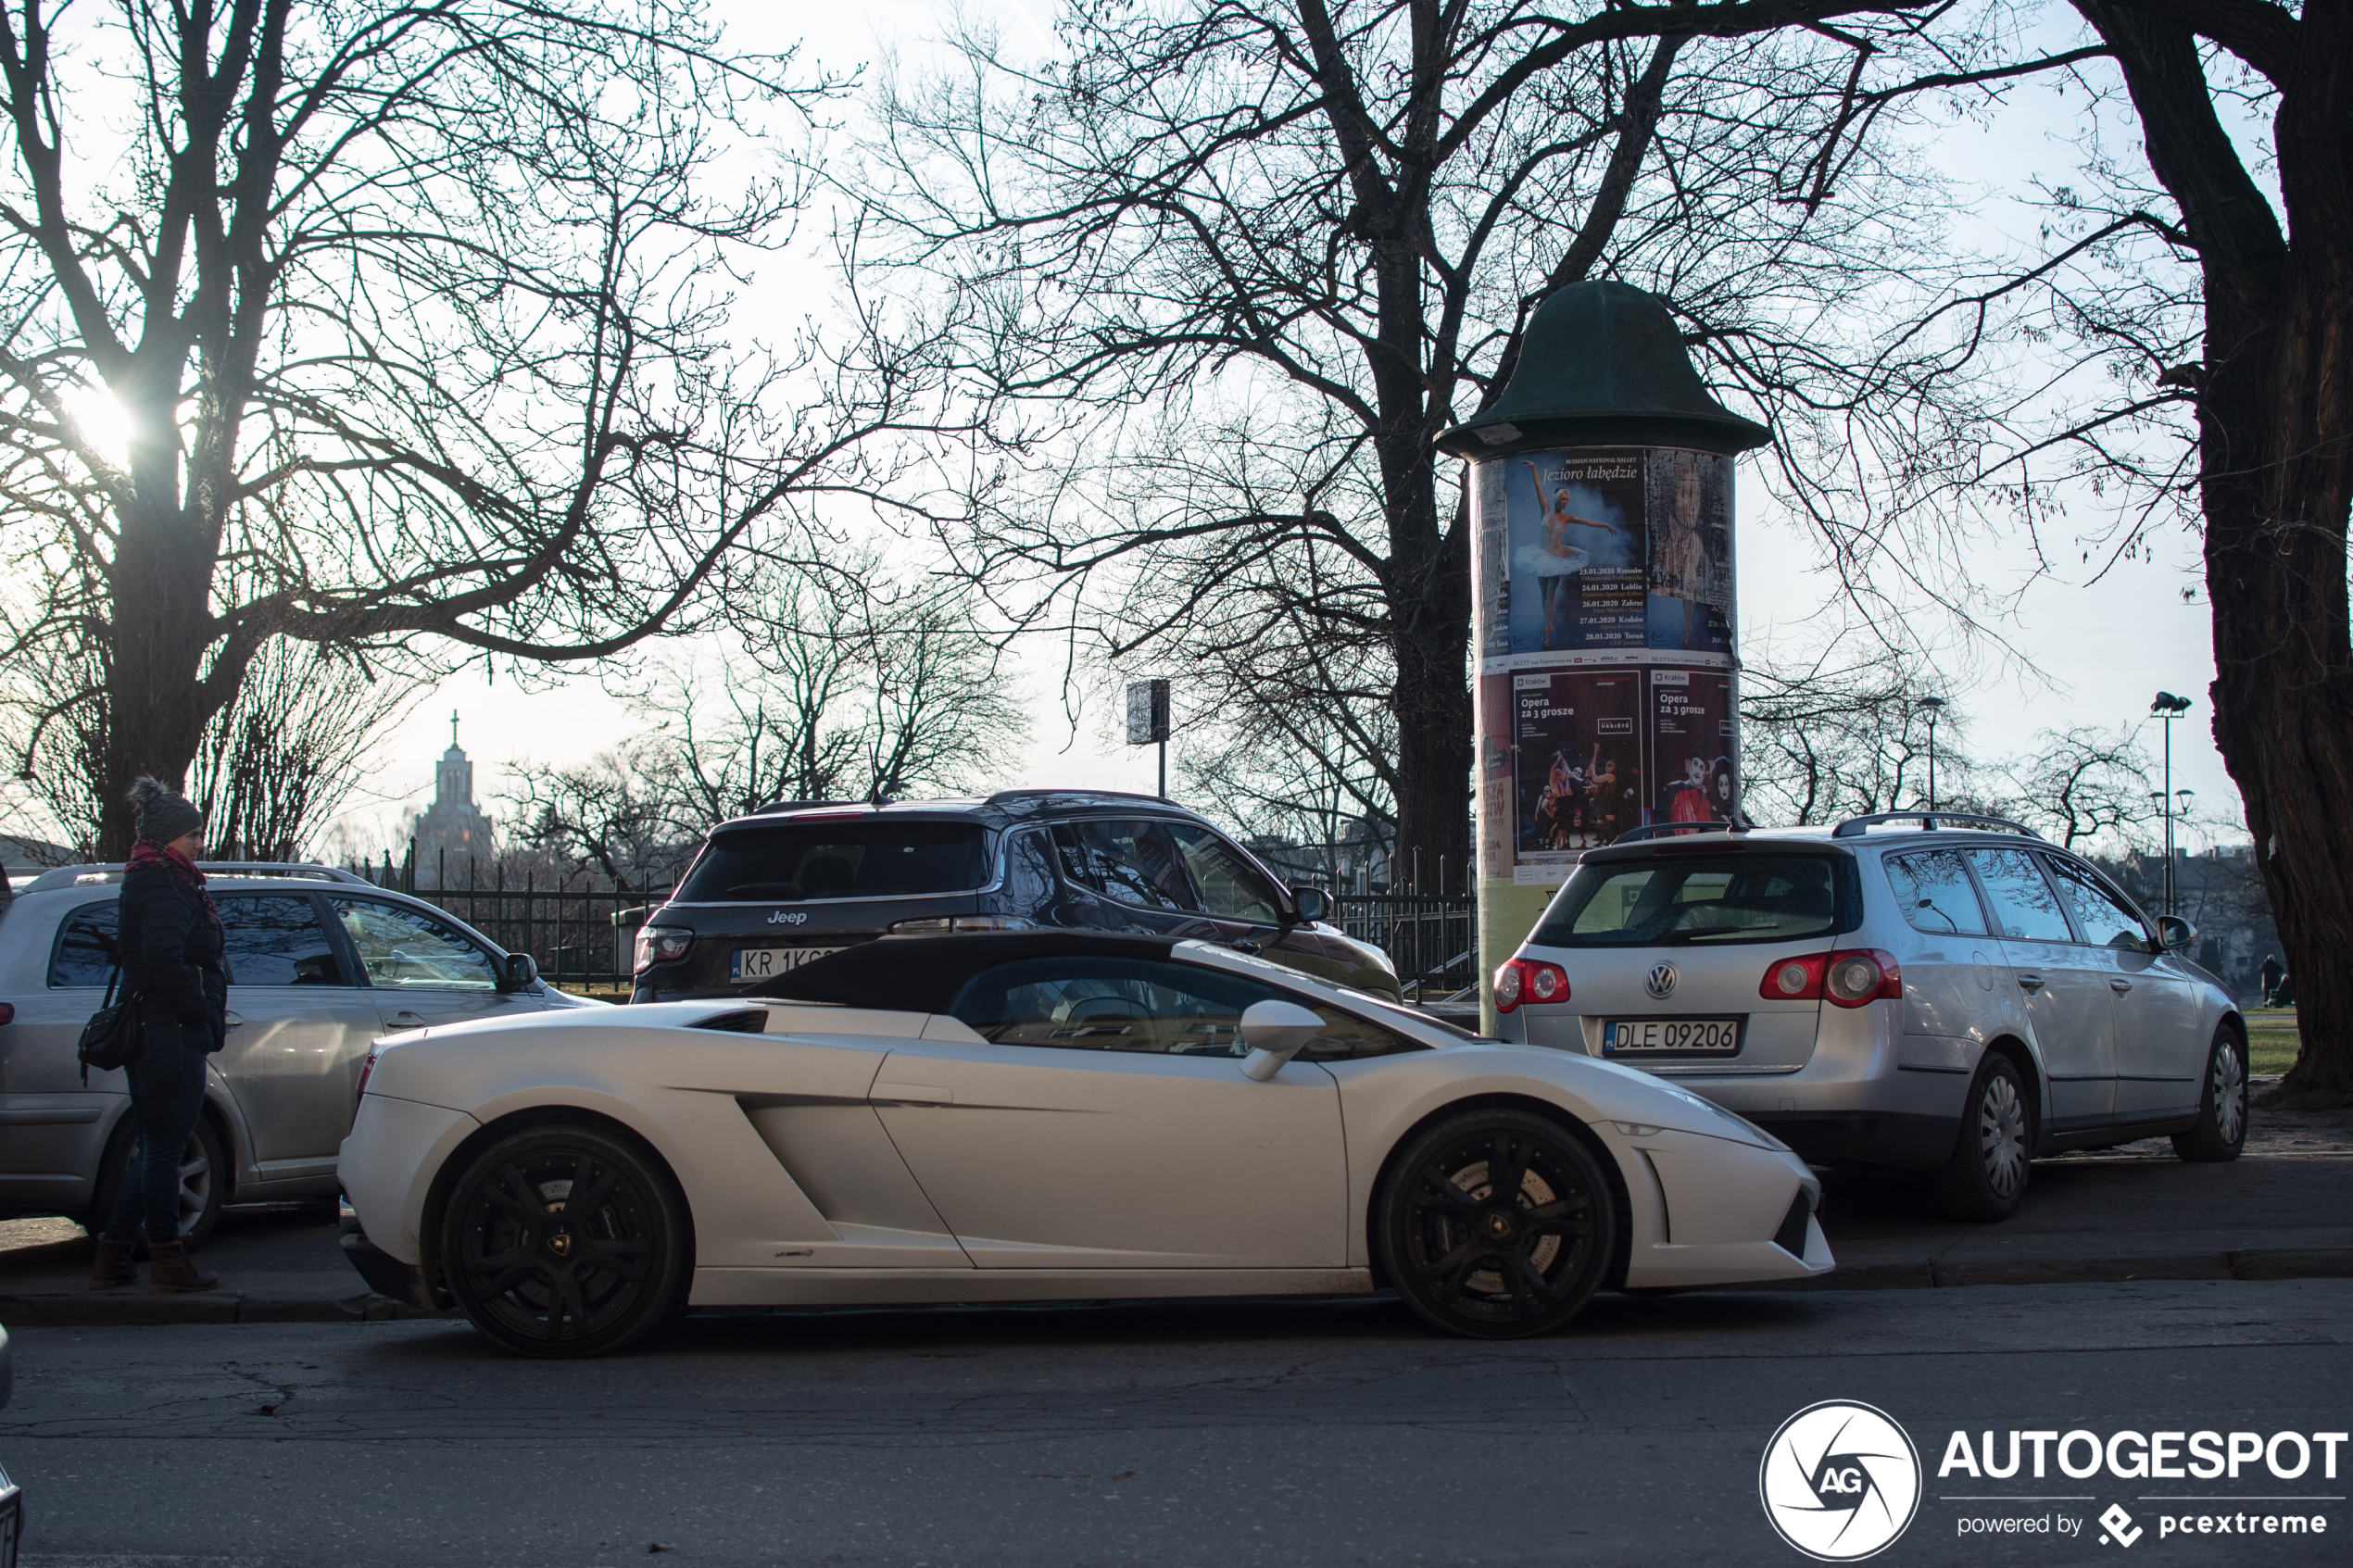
(111, 1037)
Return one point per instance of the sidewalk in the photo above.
(2283, 1210)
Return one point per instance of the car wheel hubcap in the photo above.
(2001, 1137)
(195, 1185)
(558, 1244)
(1497, 1226)
(2230, 1094)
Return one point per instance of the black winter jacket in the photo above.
(171, 948)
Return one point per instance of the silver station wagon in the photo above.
(1918, 992)
(320, 962)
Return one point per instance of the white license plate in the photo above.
(1721, 1036)
(765, 964)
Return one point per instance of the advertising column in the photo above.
(1606, 694)
(1603, 611)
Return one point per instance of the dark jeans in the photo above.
(166, 1092)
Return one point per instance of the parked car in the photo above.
(320, 962)
(11, 1496)
(1035, 1116)
(797, 881)
(1930, 993)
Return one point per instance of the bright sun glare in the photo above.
(105, 421)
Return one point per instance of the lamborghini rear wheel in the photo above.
(565, 1241)
(1496, 1224)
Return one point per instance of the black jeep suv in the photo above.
(794, 881)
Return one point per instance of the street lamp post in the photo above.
(1931, 706)
(2169, 708)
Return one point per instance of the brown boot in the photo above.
(114, 1266)
(172, 1270)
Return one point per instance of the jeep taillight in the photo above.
(1850, 978)
(1528, 980)
(662, 944)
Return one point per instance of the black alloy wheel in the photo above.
(565, 1241)
(1495, 1225)
(2220, 1130)
(1984, 1178)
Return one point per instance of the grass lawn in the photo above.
(2270, 1039)
(621, 994)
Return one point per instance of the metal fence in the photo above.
(579, 931)
(1431, 937)
(582, 931)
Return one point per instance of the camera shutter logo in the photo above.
(1839, 1481)
(1660, 982)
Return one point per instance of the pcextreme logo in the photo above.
(1839, 1481)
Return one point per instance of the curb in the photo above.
(1932, 1273)
(130, 1309)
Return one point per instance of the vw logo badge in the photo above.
(1839, 1481)
(1660, 982)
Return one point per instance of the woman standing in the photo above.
(168, 936)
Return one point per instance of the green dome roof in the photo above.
(1602, 365)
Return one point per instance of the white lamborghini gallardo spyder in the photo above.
(1030, 1116)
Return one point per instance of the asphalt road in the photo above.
(1216, 1434)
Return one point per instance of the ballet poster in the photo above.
(1611, 547)
(1577, 555)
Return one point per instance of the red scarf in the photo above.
(181, 868)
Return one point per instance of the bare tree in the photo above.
(1236, 266)
(414, 321)
(835, 685)
(274, 764)
(2083, 783)
(1840, 733)
(2191, 297)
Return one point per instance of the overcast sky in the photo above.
(2103, 649)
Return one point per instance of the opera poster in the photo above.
(1693, 750)
(1577, 763)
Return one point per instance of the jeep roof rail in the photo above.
(85, 876)
(1006, 796)
(1674, 830)
(1934, 821)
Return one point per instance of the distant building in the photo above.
(453, 829)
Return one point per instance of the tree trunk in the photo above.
(2275, 551)
(162, 626)
(1429, 609)
(2275, 428)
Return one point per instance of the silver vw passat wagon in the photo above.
(320, 961)
(1930, 993)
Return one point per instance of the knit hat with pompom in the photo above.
(164, 813)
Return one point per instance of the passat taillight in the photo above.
(1522, 981)
(1848, 978)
